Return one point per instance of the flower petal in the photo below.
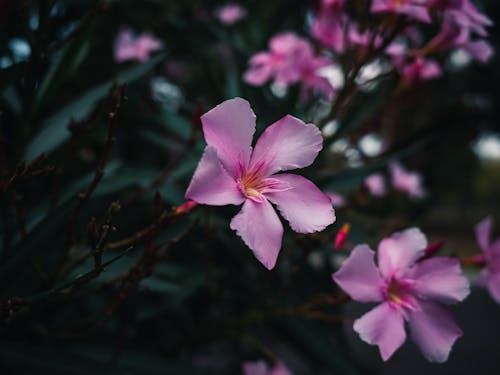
(400, 251)
(306, 208)
(440, 279)
(492, 282)
(211, 184)
(483, 233)
(287, 144)
(260, 228)
(229, 128)
(383, 326)
(254, 368)
(359, 277)
(434, 330)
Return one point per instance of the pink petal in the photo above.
(492, 282)
(483, 233)
(229, 128)
(480, 50)
(287, 144)
(417, 12)
(211, 184)
(440, 279)
(383, 326)
(254, 368)
(280, 369)
(260, 228)
(359, 277)
(306, 208)
(434, 330)
(400, 251)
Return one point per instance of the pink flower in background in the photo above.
(280, 63)
(261, 368)
(328, 26)
(420, 70)
(128, 46)
(338, 200)
(407, 289)
(416, 9)
(406, 181)
(490, 276)
(291, 59)
(457, 30)
(230, 172)
(375, 184)
(229, 14)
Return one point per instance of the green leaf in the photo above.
(54, 129)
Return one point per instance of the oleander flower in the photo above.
(416, 9)
(229, 14)
(261, 368)
(490, 275)
(290, 59)
(329, 23)
(230, 172)
(375, 183)
(420, 70)
(463, 27)
(408, 288)
(128, 46)
(406, 181)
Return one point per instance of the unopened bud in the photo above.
(341, 236)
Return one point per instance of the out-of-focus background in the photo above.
(205, 305)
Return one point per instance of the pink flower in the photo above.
(420, 70)
(280, 62)
(290, 60)
(229, 14)
(338, 200)
(457, 30)
(406, 181)
(407, 289)
(230, 172)
(490, 276)
(416, 9)
(128, 46)
(329, 24)
(261, 368)
(375, 184)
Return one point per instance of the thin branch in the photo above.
(117, 96)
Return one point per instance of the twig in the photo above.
(117, 96)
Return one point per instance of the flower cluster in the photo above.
(289, 60)
(129, 46)
(398, 38)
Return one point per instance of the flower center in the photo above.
(251, 183)
(398, 292)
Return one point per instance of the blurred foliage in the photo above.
(186, 296)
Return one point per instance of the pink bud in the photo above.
(341, 236)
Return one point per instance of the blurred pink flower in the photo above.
(490, 276)
(329, 24)
(416, 9)
(230, 172)
(406, 181)
(261, 368)
(290, 60)
(338, 200)
(420, 70)
(375, 184)
(128, 46)
(229, 14)
(407, 289)
(458, 26)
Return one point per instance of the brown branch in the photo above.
(117, 96)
